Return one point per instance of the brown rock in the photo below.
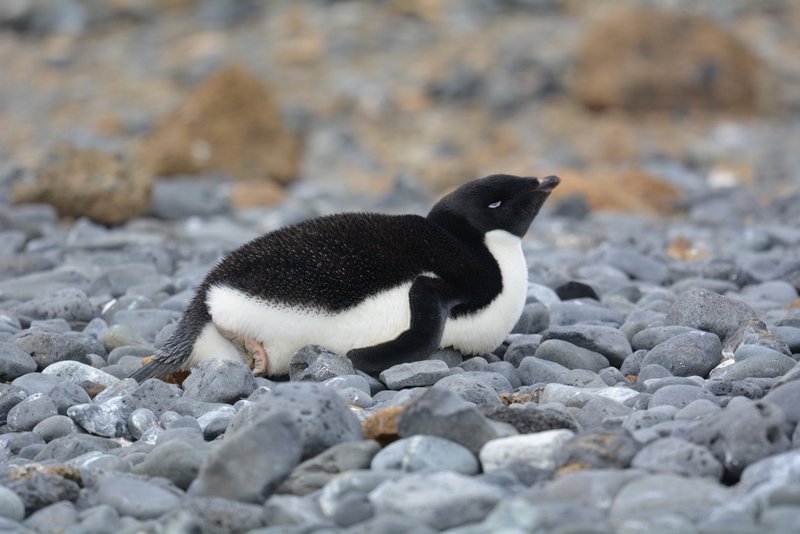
(382, 425)
(87, 183)
(643, 60)
(230, 123)
(627, 190)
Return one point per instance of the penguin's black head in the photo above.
(497, 202)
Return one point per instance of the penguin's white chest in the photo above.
(485, 330)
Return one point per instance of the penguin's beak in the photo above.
(548, 183)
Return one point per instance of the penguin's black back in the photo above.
(332, 263)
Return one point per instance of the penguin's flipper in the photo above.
(430, 303)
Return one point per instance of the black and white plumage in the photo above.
(382, 289)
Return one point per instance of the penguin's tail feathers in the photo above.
(159, 367)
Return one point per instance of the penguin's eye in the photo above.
(496, 204)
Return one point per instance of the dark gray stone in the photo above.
(535, 318)
(70, 304)
(219, 381)
(322, 417)
(439, 412)
(704, 310)
(10, 396)
(415, 374)
(599, 449)
(533, 370)
(272, 445)
(522, 347)
(216, 515)
(315, 472)
(632, 365)
(742, 434)
(672, 455)
(426, 454)
(689, 354)
(55, 427)
(14, 362)
(313, 363)
(571, 356)
(592, 414)
(679, 396)
(650, 337)
(57, 517)
(605, 340)
(30, 412)
(469, 388)
(768, 365)
(530, 417)
(176, 460)
(48, 347)
(42, 490)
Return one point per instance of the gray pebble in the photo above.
(535, 318)
(650, 337)
(140, 420)
(689, 354)
(697, 409)
(704, 310)
(767, 365)
(315, 472)
(109, 419)
(605, 340)
(132, 497)
(470, 389)
(11, 506)
(137, 351)
(679, 396)
(521, 347)
(313, 363)
(440, 412)
(56, 517)
(442, 500)
(415, 374)
(58, 326)
(356, 397)
(652, 371)
(646, 418)
(581, 378)
(29, 286)
(70, 304)
(14, 362)
(220, 515)
(291, 510)
(571, 356)
(30, 412)
(48, 347)
(533, 370)
(426, 454)
(322, 417)
(122, 335)
(215, 422)
(785, 397)
(449, 356)
(338, 383)
(672, 455)
(272, 446)
(77, 373)
(219, 381)
(176, 460)
(55, 427)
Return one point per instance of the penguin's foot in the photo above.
(251, 349)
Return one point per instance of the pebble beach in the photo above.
(651, 384)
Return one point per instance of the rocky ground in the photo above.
(651, 384)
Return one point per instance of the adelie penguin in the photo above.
(382, 289)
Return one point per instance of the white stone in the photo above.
(538, 450)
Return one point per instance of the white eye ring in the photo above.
(496, 204)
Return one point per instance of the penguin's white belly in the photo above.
(283, 329)
(485, 330)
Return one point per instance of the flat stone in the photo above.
(315, 472)
(766, 365)
(426, 454)
(415, 374)
(539, 450)
(470, 389)
(571, 356)
(680, 457)
(605, 340)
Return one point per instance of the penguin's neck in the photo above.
(458, 227)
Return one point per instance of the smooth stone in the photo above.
(140, 420)
(535, 318)
(440, 412)
(605, 340)
(137, 351)
(591, 488)
(537, 450)
(677, 456)
(315, 472)
(768, 365)
(442, 500)
(571, 356)
(122, 335)
(11, 506)
(521, 347)
(290, 510)
(55, 427)
(697, 409)
(176, 460)
(132, 497)
(746, 351)
(786, 398)
(533, 370)
(338, 383)
(652, 371)
(216, 422)
(635, 264)
(661, 494)
(679, 396)
(595, 412)
(470, 389)
(219, 516)
(56, 517)
(426, 454)
(641, 419)
(742, 433)
(147, 323)
(219, 381)
(648, 338)
(14, 362)
(415, 374)
(31, 411)
(581, 378)
(496, 381)
(577, 311)
(28, 286)
(63, 449)
(109, 419)
(599, 448)
(789, 335)
(566, 395)
(704, 310)
(689, 354)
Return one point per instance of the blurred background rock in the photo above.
(642, 105)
